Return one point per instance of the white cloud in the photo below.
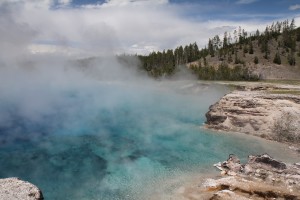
(246, 1)
(65, 2)
(38, 3)
(122, 3)
(113, 28)
(295, 7)
(137, 27)
(133, 2)
(143, 48)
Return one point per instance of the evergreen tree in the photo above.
(205, 62)
(292, 25)
(265, 48)
(186, 54)
(289, 39)
(236, 59)
(211, 48)
(292, 59)
(229, 59)
(195, 52)
(251, 51)
(298, 34)
(277, 59)
(245, 49)
(256, 60)
(257, 34)
(225, 40)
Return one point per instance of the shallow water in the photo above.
(115, 140)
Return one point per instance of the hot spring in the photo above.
(113, 140)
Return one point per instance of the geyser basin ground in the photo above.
(113, 140)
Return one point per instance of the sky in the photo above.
(96, 27)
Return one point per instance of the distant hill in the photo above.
(272, 54)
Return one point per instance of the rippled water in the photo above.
(113, 140)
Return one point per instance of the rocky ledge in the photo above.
(16, 189)
(262, 177)
(258, 111)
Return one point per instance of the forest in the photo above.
(227, 58)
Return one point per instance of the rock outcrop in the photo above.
(16, 189)
(257, 111)
(262, 177)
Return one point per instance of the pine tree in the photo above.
(256, 60)
(277, 59)
(265, 48)
(245, 49)
(298, 34)
(236, 59)
(251, 51)
(291, 59)
(257, 34)
(211, 48)
(205, 62)
(229, 59)
(225, 40)
(292, 25)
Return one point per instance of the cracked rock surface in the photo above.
(256, 111)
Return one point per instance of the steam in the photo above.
(80, 102)
(65, 90)
(65, 97)
(79, 114)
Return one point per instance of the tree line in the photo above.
(231, 49)
(165, 63)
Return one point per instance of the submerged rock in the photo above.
(16, 189)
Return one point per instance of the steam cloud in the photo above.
(70, 92)
(59, 76)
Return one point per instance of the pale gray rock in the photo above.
(227, 195)
(233, 164)
(257, 111)
(248, 169)
(16, 189)
(262, 177)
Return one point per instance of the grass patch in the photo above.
(293, 92)
(289, 82)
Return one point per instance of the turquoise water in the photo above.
(112, 140)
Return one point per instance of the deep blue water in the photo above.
(111, 140)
